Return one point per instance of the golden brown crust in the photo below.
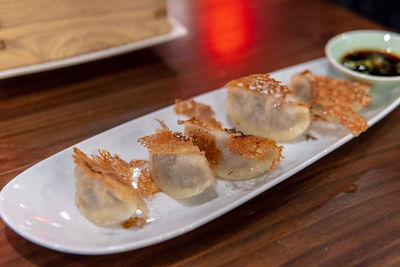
(205, 141)
(167, 141)
(347, 90)
(198, 110)
(118, 170)
(336, 97)
(138, 222)
(261, 83)
(247, 146)
(253, 147)
(111, 170)
(195, 121)
(141, 173)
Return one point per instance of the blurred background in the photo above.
(385, 12)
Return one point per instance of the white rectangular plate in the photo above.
(177, 30)
(39, 203)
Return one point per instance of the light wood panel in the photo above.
(35, 31)
(20, 12)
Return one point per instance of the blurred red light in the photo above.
(229, 28)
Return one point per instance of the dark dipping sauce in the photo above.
(373, 62)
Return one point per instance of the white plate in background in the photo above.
(39, 203)
(177, 30)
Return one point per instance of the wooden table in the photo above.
(342, 210)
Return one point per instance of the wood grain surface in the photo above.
(343, 210)
(37, 31)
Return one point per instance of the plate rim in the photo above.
(177, 30)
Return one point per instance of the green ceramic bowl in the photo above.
(347, 42)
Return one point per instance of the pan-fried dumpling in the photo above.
(232, 154)
(332, 99)
(104, 191)
(258, 105)
(177, 166)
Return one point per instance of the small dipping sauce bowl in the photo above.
(348, 42)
